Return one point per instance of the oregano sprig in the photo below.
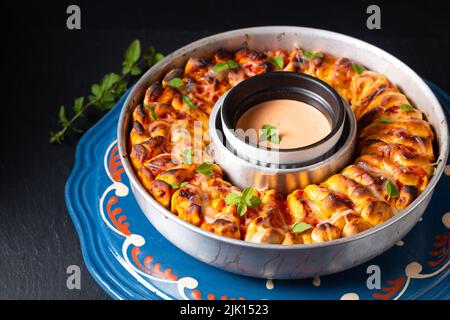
(244, 200)
(269, 133)
(105, 94)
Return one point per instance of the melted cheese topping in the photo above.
(395, 147)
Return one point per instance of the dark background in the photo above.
(45, 65)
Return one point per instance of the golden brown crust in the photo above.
(393, 165)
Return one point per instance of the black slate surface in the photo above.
(45, 65)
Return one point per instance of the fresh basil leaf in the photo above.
(233, 198)
(78, 104)
(274, 138)
(151, 57)
(109, 80)
(406, 107)
(187, 101)
(300, 227)
(62, 117)
(133, 52)
(268, 127)
(263, 137)
(241, 209)
(152, 111)
(120, 88)
(158, 57)
(247, 193)
(206, 168)
(175, 185)
(392, 190)
(108, 96)
(126, 68)
(135, 70)
(223, 66)
(56, 137)
(278, 62)
(254, 202)
(384, 120)
(311, 54)
(269, 133)
(358, 68)
(96, 90)
(175, 83)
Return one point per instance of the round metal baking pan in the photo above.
(291, 261)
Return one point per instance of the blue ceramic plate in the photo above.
(131, 260)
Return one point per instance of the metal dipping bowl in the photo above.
(283, 85)
(243, 172)
(288, 261)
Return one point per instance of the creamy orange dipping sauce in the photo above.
(298, 124)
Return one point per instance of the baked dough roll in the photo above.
(187, 204)
(269, 225)
(168, 181)
(153, 167)
(365, 87)
(325, 232)
(400, 127)
(147, 149)
(399, 154)
(411, 176)
(340, 76)
(326, 203)
(367, 205)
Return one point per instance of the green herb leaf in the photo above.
(206, 168)
(188, 156)
(263, 137)
(300, 227)
(108, 96)
(120, 88)
(254, 202)
(241, 208)
(158, 57)
(135, 70)
(358, 68)
(312, 54)
(152, 111)
(112, 86)
(57, 137)
(226, 65)
(249, 198)
(78, 104)
(278, 62)
(243, 201)
(187, 101)
(133, 52)
(151, 57)
(392, 190)
(406, 107)
(175, 185)
(96, 90)
(175, 83)
(384, 120)
(62, 117)
(270, 134)
(109, 80)
(233, 198)
(275, 138)
(247, 194)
